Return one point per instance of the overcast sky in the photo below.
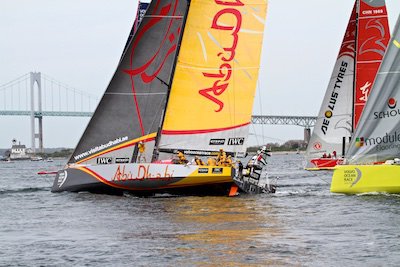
(80, 42)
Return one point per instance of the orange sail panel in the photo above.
(372, 39)
(214, 84)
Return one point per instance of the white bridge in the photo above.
(38, 95)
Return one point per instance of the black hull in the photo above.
(77, 180)
(203, 190)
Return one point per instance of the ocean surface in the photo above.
(303, 224)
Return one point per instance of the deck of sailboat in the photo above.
(324, 164)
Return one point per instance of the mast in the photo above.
(355, 66)
(158, 136)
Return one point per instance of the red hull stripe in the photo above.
(172, 132)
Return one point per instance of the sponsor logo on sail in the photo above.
(333, 98)
(219, 81)
(359, 141)
(104, 160)
(214, 142)
(239, 141)
(202, 170)
(392, 112)
(386, 142)
(365, 91)
(317, 146)
(122, 160)
(101, 147)
(392, 102)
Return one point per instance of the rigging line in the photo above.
(15, 80)
(260, 102)
(163, 82)
(255, 134)
(161, 93)
(66, 97)
(160, 109)
(52, 96)
(159, 16)
(64, 85)
(44, 93)
(19, 95)
(323, 180)
(234, 113)
(190, 66)
(12, 97)
(26, 94)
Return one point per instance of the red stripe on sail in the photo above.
(373, 37)
(172, 132)
(141, 70)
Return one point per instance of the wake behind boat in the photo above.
(185, 82)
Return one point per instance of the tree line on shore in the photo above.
(291, 145)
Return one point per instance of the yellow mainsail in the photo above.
(216, 74)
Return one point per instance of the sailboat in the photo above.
(374, 152)
(359, 58)
(186, 82)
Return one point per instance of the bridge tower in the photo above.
(35, 77)
(307, 134)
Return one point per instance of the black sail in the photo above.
(132, 106)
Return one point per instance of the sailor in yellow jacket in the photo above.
(182, 158)
(228, 161)
(211, 161)
(221, 157)
(142, 149)
(198, 161)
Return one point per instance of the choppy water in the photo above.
(303, 224)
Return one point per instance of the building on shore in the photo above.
(19, 152)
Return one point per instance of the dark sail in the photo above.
(141, 11)
(131, 108)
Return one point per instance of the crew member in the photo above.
(142, 148)
(182, 158)
(221, 157)
(228, 161)
(260, 157)
(211, 161)
(198, 161)
(239, 169)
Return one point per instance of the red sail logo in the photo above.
(149, 70)
(392, 103)
(222, 76)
